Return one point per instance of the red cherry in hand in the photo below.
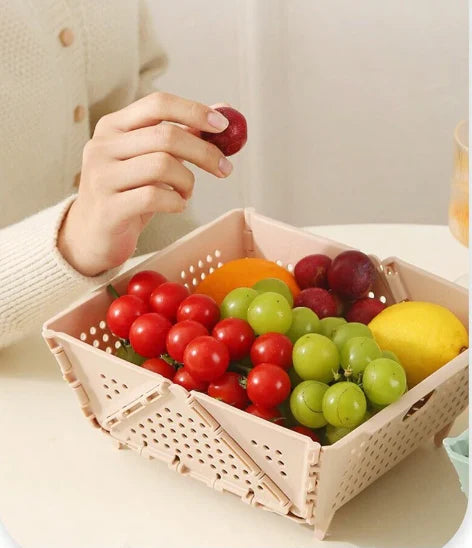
(234, 137)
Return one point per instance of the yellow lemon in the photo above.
(424, 336)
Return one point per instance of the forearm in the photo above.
(35, 280)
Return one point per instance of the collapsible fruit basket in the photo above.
(266, 465)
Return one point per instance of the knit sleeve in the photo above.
(152, 58)
(35, 280)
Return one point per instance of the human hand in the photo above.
(131, 169)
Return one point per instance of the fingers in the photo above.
(173, 140)
(148, 200)
(157, 168)
(157, 107)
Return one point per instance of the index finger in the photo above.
(158, 107)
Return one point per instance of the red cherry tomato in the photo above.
(148, 334)
(186, 380)
(180, 335)
(306, 432)
(158, 365)
(272, 415)
(122, 312)
(201, 308)
(237, 335)
(268, 385)
(206, 359)
(228, 388)
(166, 299)
(143, 283)
(272, 348)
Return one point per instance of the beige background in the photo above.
(351, 105)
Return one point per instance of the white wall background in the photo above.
(351, 106)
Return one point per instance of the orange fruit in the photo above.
(243, 273)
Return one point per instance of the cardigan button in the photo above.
(66, 36)
(76, 182)
(79, 113)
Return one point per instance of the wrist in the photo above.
(73, 244)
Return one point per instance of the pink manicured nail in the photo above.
(217, 120)
(226, 167)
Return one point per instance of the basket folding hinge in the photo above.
(394, 282)
(162, 389)
(69, 377)
(248, 236)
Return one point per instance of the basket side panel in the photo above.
(176, 429)
(350, 465)
(187, 261)
(284, 243)
(284, 456)
(109, 383)
(424, 286)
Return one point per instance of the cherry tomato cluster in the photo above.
(181, 337)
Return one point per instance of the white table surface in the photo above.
(63, 485)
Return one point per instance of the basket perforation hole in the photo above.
(209, 258)
(195, 441)
(198, 451)
(108, 397)
(164, 435)
(189, 455)
(191, 269)
(116, 391)
(234, 467)
(105, 337)
(248, 482)
(201, 461)
(260, 487)
(83, 336)
(161, 425)
(144, 435)
(290, 267)
(268, 457)
(117, 344)
(279, 262)
(217, 253)
(187, 446)
(266, 447)
(224, 471)
(254, 442)
(169, 420)
(166, 445)
(219, 451)
(282, 473)
(202, 425)
(210, 456)
(204, 436)
(102, 324)
(106, 386)
(278, 452)
(178, 451)
(175, 441)
(221, 461)
(184, 435)
(211, 270)
(133, 430)
(181, 425)
(207, 446)
(153, 431)
(141, 425)
(186, 285)
(212, 466)
(155, 440)
(124, 386)
(93, 330)
(108, 350)
(216, 440)
(280, 463)
(193, 430)
(194, 282)
(96, 343)
(183, 275)
(383, 299)
(220, 264)
(200, 264)
(231, 456)
(173, 430)
(235, 476)
(245, 471)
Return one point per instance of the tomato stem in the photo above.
(239, 368)
(113, 292)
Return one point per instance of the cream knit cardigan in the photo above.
(63, 64)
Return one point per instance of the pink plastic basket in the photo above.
(266, 465)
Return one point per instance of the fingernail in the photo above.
(226, 167)
(217, 120)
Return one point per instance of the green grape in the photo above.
(294, 377)
(127, 353)
(357, 352)
(315, 357)
(275, 286)
(304, 321)
(344, 404)
(236, 303)
(269, 313)
(391, 355)
(384, 381)
(335, 433)
(329, 324)
(343, 333)
(306, 401)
